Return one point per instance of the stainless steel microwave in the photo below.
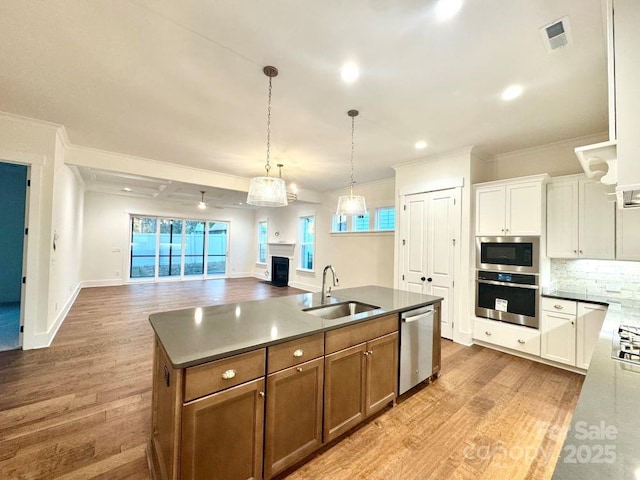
(508, 254)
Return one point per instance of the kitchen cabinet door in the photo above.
(590, 319)
(222, 434)
(628, 234)
(596, 221)
(344, 390)
(523, 213)
(558, 337)
(490, 208)
(294, 415)
(382, 372)
(562, 220)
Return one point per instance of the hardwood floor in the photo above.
(81, 408)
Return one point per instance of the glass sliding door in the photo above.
(143, 247)
(194, 235)
(217, 248)
(170, 252)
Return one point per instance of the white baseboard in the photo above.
(43, 340)
(304, 286)
(112, 282)
(240, 275)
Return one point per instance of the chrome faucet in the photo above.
(326, 292)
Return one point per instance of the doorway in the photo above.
(13, 201)
(430, 224)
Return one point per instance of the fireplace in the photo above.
(279, 271)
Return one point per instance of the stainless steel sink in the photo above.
(338, 310)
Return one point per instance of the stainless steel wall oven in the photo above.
(507, 283)
(509, 297)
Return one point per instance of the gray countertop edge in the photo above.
(176, 332)
(578, 297)
(608, 400)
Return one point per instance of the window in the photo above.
(307, 240)
(170, 258)
(177, 247)
(386, 218)
(217, 248)
(143, 247)
(194, 247)
(339, 223)
(262, 242)
(361, 223)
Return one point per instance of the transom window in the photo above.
(262, 242)
(385, 220)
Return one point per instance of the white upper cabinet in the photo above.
(580, 220)
(628, 234)
(510, 208)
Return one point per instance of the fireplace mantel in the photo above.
(281, 249)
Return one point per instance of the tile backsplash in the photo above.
(606, 278)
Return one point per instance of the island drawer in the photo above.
(346, 337)
(559, 305)
(214, 376)
(293, 352)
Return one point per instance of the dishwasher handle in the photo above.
(417, 315)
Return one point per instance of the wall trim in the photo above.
(303, 286)
(44, 340)
(541, 149)
(113, 282)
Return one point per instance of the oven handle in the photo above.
(507, 284)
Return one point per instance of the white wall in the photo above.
(359, 258)
(555, 159)
(105, 252)
(41, 146)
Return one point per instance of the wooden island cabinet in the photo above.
(255, 414)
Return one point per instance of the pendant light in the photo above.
(292, 194)
(268, 191)
(351, 204)
(202, 205)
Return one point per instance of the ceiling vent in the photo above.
(557, 34)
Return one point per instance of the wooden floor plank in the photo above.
(81, 408)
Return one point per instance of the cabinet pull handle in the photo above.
(572, 322)
(559, 307)
(487, 332)
(298, 353)
(299, 369)
(370, 352)
(366, 353)
(575, 251)
(229, 374)
(261, 394)
(521, 342)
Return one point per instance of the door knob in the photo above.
(423, 278)
(429, 279)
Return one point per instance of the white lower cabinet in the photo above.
(568, 332)
(558, 337)
(515, 337)
(590, 319)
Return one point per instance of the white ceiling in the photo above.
(182, 82)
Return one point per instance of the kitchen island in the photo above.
(604, 437)
(247, 390)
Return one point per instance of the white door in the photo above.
(430, 225)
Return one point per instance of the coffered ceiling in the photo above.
(182, 82)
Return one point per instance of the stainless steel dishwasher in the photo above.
(416, 347)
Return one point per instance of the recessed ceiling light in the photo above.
(421, 145)
(511, 92)
(446, 9)
(350, 72)
(126, 189)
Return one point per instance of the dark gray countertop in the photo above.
(197, 335)
(603, 441)
(578, 297)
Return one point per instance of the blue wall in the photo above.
(13, 189)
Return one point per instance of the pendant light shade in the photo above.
(351, 204)
(268, 191)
